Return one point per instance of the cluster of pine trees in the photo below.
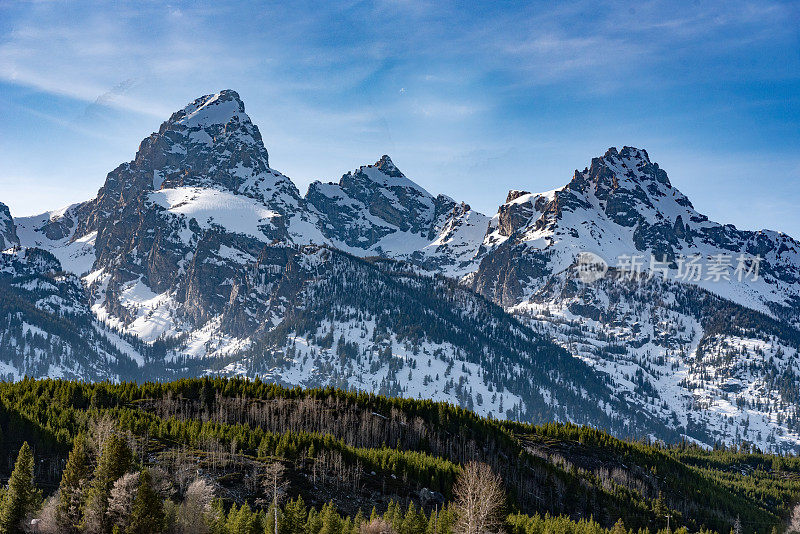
(215, 439)
(114, 495)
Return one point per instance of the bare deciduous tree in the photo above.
(273, 483)
(376, 526)
(794, 522)
(480, 499)
(100, 430)
(275, 487)
(47, 517)
(120, 501)
(196, 508)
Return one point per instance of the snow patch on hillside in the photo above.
(215, 207)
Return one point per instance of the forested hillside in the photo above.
(215, 455)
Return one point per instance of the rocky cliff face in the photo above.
(178, 222)
(8, 230)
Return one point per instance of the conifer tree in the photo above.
(619, 527)
(295, 515)
(217, 519)
(314, 522)
(115, 460)
(358, 520)
(147, 516)
(331, 521)
(22, 498)
(74, 482)
(414, 521)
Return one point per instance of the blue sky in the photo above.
(470, 99)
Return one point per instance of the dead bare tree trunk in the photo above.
(275, 485)
(480, 500)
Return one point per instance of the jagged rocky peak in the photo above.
(8, 230)
(384, 174)
(219, 108)
(198, 193)
(628, 170)
(520, 210)
(387, 167)
(213, 120)
(515, 194)
(211, 143)
(629, 187)
(214, 136)
(381, 191)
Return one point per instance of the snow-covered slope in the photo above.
(54, 231)
(47, 328)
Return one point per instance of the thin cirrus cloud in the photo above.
(521, 92)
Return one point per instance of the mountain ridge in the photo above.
(200, 253)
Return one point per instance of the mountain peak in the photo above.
(626, 169)
(218, 108)
(193, 136)
(627, 153)
(387, 167)
(514, 194)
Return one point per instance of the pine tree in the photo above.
(22, 498)
(115, 460)
(414, 521)
(358, 520)
(147, 516)
(74, 482)
(619, 527)
(243, 521)
(217, 519)
(314, 522)
(331, 521)
(295, 514)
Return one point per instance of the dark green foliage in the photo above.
(147, 516)
(74, 482)
(21, 498)
(115, 460)
(295, 515)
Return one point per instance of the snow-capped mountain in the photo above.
(197, 257)
(714, 352)
(376, 210)
(624, 205)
